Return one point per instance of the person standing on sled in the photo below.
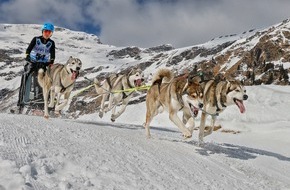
(41, 49)
(39, 54)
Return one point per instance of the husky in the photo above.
(218, 95)
(114, 87)
(58, 80)
(173, 94)
(104, 88)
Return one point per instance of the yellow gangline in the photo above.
(144, 87)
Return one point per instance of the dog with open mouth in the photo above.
(218, 95)
(58, 80)
(115, 89)
(174, 94)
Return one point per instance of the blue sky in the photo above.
(147, 23)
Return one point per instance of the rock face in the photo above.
(128, 51)
(158, 49)
(8, 55)
(257, 59)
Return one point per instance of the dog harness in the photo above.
(123, 93)
(63, 88)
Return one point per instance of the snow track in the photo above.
(67, 154)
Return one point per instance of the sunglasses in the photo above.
(47, 31)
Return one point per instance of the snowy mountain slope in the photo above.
(255, 56)
(93, 153)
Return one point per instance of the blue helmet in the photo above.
(48, 26)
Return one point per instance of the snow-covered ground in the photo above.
(93, 153)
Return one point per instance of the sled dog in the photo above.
(109, 89)
(104, 88)
(217, 96)
(58, 80)
(174, 94)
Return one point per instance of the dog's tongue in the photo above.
(74, 75)
(138, 82)
(241, 106)
(194, 111)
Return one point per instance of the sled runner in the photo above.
(30, 93)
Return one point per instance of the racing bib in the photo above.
(41, 52)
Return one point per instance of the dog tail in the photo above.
(40, 77)
(162, 76)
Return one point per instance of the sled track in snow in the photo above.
(18, 139)
(111, 155)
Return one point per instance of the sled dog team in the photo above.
(189, 93)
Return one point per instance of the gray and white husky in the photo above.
(58, 80)
(174, 94)
(109, 89)
(217, 96)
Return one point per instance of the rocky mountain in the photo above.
(254, 57)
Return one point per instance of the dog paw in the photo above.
(57, 113)
(186, 136)
(200, 143)
(101, 114)
(46, 117)
(113, 118)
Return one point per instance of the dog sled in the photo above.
(30, 100)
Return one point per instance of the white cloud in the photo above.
(63, 13)
(125, 22)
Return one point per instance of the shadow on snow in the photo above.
(230, 150)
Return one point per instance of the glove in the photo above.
(28, 67)
(28, 58)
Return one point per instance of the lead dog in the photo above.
(218, 95)
(58, 80)
(115, 87)
(174, 94)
